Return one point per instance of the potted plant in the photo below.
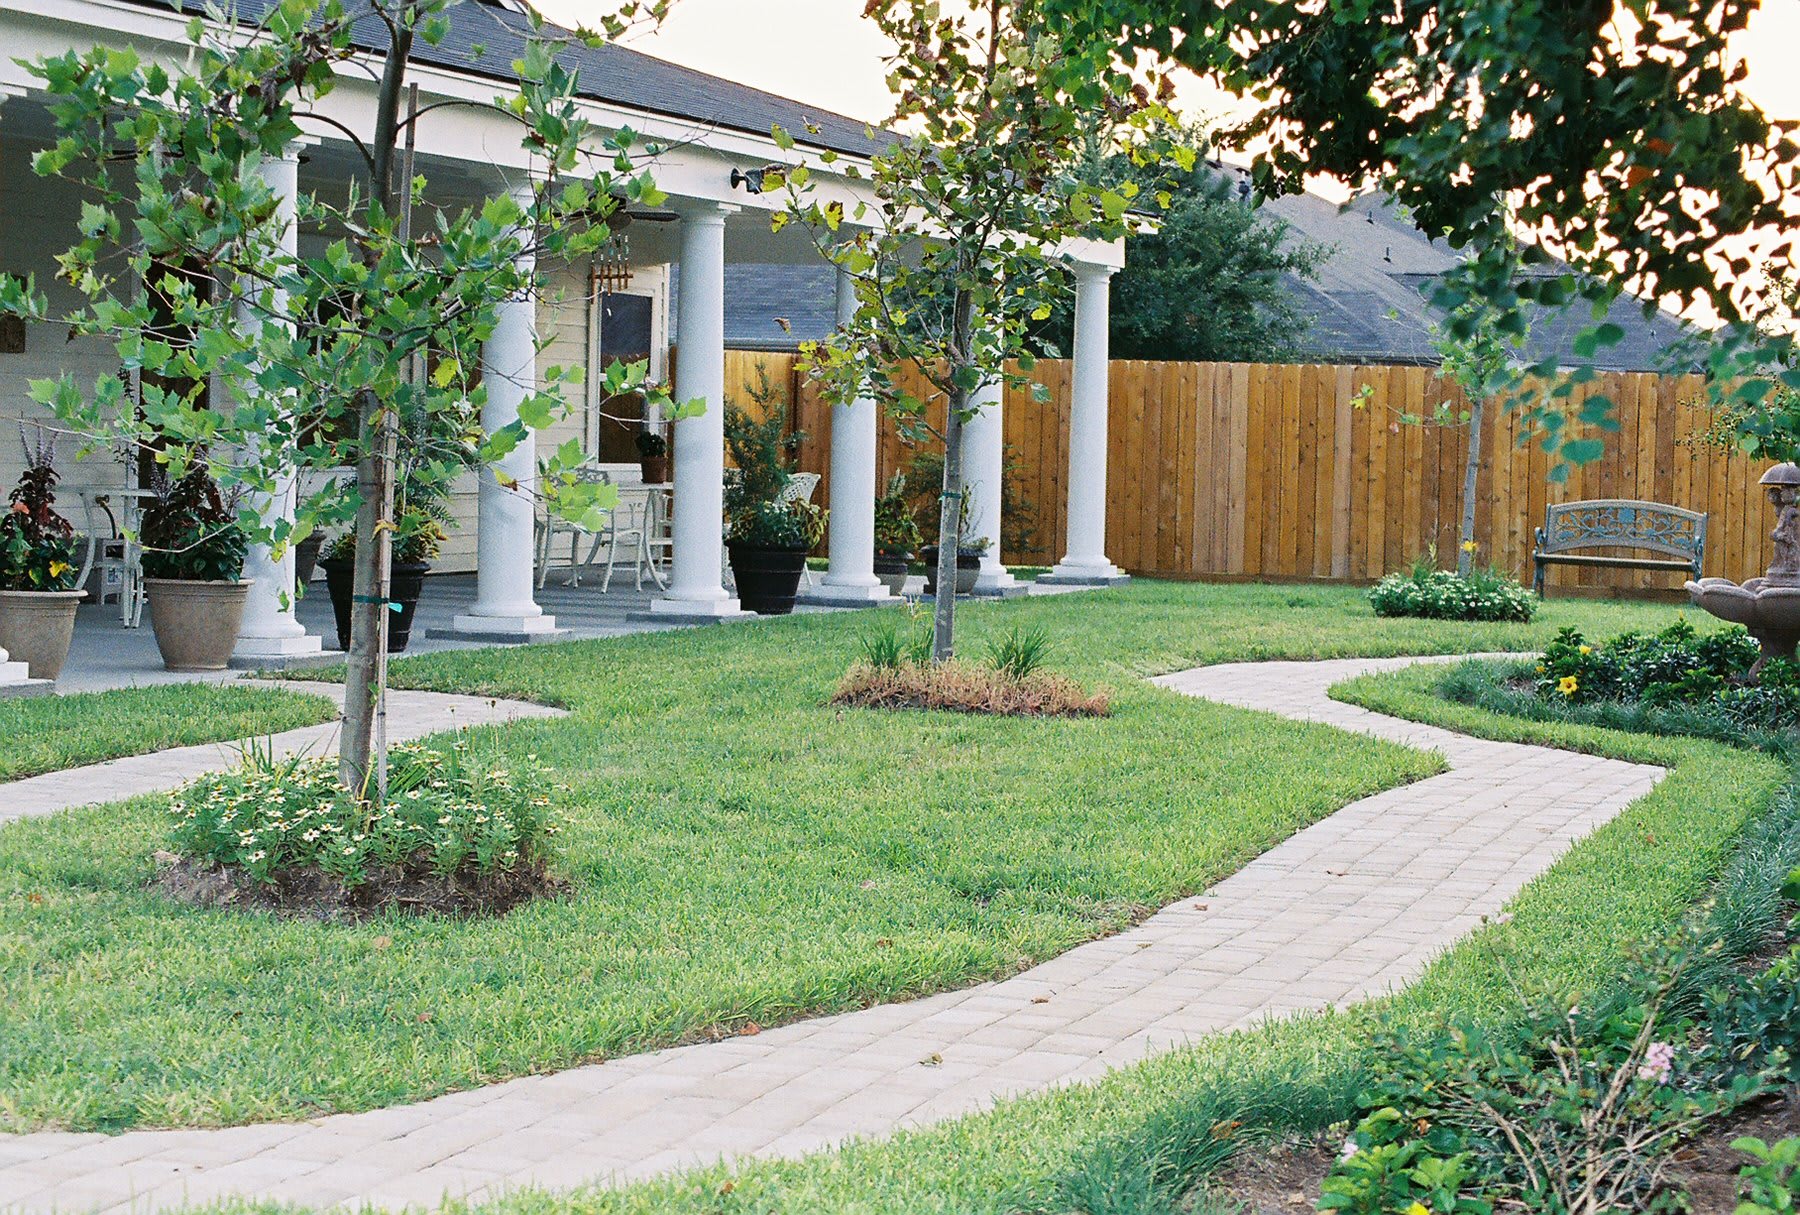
(897, 536)
(38, 569)
(193, 571)
(418, 539)
(768, 536)
(653, 456)
(969, 551)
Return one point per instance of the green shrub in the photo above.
(1675, 669)
(1769, 1184)
(1446, 595)
(448, 808)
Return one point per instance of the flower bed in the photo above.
(1675, 669)
(1436, 594)
(459, 833)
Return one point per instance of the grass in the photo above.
(1139, 1141)
(51, 733)
(742, 853)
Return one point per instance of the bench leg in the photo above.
(1537, 582)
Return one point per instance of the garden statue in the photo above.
(1768, 606)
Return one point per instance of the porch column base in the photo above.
(829, 594)
(669, 610)
(1068, 573)
(293, 645)
(500, 630)
(999, 584)
(16, 680)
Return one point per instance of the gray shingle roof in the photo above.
(613, 74)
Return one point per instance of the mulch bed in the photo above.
(1283, 1178)
(312, 894)
(968, 689)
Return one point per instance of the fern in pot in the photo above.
(193, 563)
(38, 569)
(768, 533)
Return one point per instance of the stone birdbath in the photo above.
(1768, 606)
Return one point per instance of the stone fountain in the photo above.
(1768, 606)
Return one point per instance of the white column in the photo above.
(15, 677)
(695, 587)
(984, 459)
(1085, 563)
(269, 632)
(854, 439)
(504, 607)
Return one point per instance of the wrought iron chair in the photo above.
(551, 526)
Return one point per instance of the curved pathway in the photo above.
(1343, 910)
(410, 715)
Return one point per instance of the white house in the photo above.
(715, 130)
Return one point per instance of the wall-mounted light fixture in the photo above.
(752, 179)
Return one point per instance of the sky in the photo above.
(824, 53)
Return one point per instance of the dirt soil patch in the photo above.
(313, 894)
(962, 688)
(1283, 1178)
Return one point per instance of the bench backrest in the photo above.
(1622, 523)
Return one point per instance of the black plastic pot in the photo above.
(405, 583)
(306, 558)
(968, 569)
(892, 569)
(768, 579)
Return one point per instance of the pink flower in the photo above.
(1659, 1062)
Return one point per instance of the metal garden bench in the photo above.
(1572, 528)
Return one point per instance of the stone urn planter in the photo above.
(196, 623)
(768, 579)
(36, 628)
(892, 569)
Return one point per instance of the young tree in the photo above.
(979, 190)
(257, 359)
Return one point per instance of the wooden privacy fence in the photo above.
(1235, 470)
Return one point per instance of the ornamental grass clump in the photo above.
(461, 831)
(1436, 594)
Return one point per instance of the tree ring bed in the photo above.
(312, 893)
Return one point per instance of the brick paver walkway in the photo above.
(410, 715)
(1343, 910)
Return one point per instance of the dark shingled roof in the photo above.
(612, 74)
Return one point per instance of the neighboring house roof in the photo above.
(1367, 305)
(1369, 301)
(613, 74)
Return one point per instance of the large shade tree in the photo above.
(1615, 136)
(255, 360)
(982, 185)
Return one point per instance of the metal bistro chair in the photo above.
(800, 488)
(637, 519)
(551, 526)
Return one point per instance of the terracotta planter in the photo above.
(196, 623)
(655, 469)
(406, 582)
(768, 579)
(968, 569)
(36, 628)
(892, 569)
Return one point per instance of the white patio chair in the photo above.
(551, 526)
(636, 521)
(800, 488)
(117, 556)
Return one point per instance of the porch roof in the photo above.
(485, 38)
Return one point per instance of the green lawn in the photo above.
(50, 733)
(741, 853)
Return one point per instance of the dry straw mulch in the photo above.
(964, 688)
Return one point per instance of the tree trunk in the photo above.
(366, 664)
(1465, 554)
(943, 616)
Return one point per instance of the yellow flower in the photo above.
(1469, 546)
(59, 568)
(1418, 1208)
(1587, 649)
(1567, 685)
